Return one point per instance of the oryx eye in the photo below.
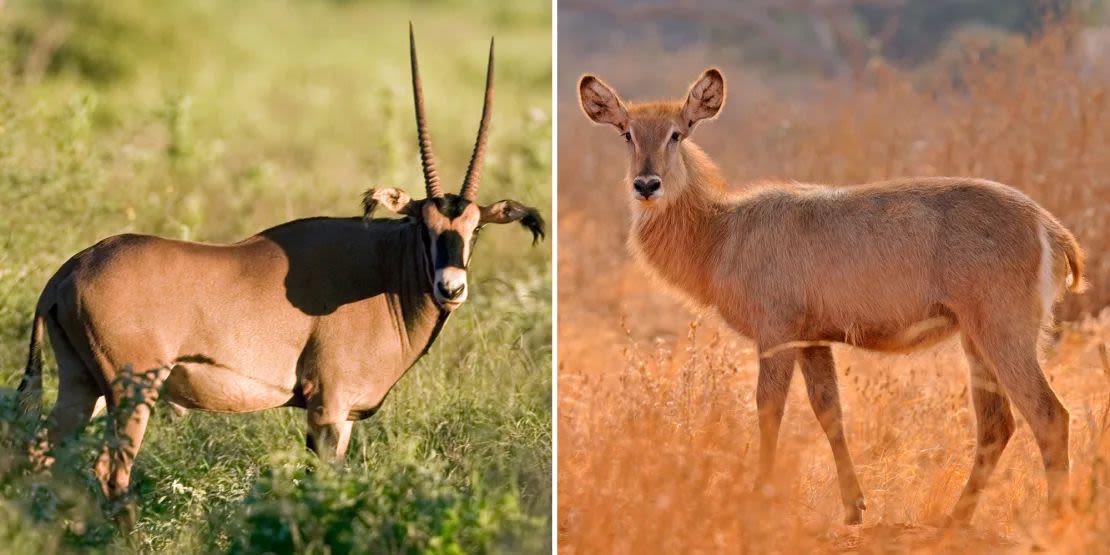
(627, 136)
(675, 136)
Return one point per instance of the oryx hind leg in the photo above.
(79, 392)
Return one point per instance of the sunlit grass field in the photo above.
(211, 121)
(658, 440)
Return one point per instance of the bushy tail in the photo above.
(30, 388)
(1064, 243)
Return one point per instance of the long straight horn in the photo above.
(474, 170)
(427, 159)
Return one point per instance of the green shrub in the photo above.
(413, 506)
(46, 512)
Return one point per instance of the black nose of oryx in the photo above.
(646, 185)
(453, 292)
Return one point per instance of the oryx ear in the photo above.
(600, 102)
(505, 211)
(394, 200)
(705, 98)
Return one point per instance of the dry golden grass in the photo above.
(657, 424)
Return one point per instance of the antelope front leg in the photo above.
(770, 399)
(824, 396)
(329, 432)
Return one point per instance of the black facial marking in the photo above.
(354, 415)
(449, 250)
(427, 239)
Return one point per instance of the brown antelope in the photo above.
(890, 266)
(325, 314)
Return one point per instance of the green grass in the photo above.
(212, 120)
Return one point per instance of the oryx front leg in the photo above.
(770, 399)
(329, 431)
(819, 371)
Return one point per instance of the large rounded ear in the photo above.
(506, 211)
(394, 200)
(600, 102)
(705, 99)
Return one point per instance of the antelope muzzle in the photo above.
(646, 188)
(449, 285)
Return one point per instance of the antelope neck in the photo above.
(419, 318)
(677, 241)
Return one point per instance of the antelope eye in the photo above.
(627, 136)
(675, 137)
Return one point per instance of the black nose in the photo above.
(451, 294)
(646, 185)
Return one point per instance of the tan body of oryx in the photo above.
(323, 313)
(889, 266)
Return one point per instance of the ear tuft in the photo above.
(369, 204)
(394, 200)
(533, 221)
(505, 211)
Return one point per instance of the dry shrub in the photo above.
(659, 455)
(657, 427)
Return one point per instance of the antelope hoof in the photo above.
(125, 514)
(764, 488)
(853, 514)
(958, 519)
(1058, 508)
(961, 514)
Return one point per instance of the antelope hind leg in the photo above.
(1013, 354)
(79, 396)
(994, 423)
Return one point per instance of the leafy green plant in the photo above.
(412, 506)
(45, 511)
